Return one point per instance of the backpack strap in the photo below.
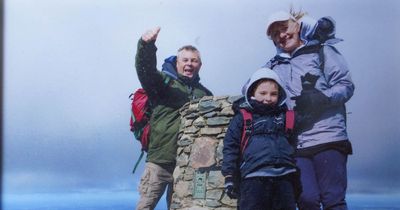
(248, 126)
(289, 122)
(321, 59)
(167, 80)
(318, 48)
(275, 61)
(137, 162)
(247, 129)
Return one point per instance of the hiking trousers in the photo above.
(153, 183)
(324, 181)
(267, 193)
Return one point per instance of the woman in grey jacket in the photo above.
(317, 79)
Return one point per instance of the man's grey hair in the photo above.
(190, 48)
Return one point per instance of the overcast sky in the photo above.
(69, 69)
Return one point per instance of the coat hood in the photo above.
(318, 31)
(265, 73)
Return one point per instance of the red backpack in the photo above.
(248, 126)
(140, 120)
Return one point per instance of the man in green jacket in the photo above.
(168, 91)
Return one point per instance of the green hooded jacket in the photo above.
(167, 95)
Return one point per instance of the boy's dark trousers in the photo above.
(267, 193)
(324, 180)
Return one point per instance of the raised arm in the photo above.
(146, 62)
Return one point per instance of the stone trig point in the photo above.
(198, 182)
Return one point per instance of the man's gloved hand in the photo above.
(230, 188)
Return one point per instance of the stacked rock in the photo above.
(198, 182)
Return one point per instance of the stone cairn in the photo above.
(198, 182)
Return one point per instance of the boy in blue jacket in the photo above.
(265, 163)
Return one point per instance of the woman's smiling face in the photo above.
(285, 35)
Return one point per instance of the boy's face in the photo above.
(267, 92)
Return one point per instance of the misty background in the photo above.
(69, 69)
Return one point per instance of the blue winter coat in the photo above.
(268, 145)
